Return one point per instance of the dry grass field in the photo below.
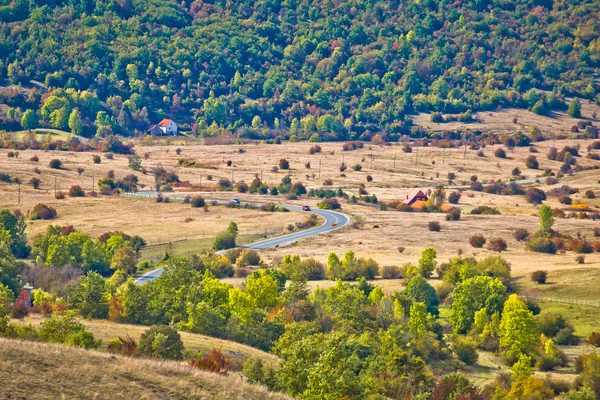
(194, 343)
(373, 233)
(47, 371)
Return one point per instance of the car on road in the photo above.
(305, 208)
(235, 201)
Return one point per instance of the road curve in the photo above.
(333, 220)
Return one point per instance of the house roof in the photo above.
(164, 122)
(151, 127)
(414, 194)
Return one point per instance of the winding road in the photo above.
(333, 220)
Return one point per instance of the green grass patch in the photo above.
(572, 284)
(583, 318)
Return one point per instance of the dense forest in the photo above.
(339, 70)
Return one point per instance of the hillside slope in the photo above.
(31, 370)
(341, 69)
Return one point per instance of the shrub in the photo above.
(500, 153)
(34, 159)
(477, 240)
(96, 159)
(248, 257)
(224, 185)
(76, 191)
(224, 241)
(535, 196)
(453, 215)
(434, 226)
(485, 210)
(126, 346)
(19, 310)
(541, 245)
(497, 244)
(314, 149)
(56, 164)
(391, 272)
(35, 182)
(197, 202)
(284, 164)
(214, 362)
(593, 339)
(566, 337)
(565, 200)
(61, 195)
(532, 162)
(328, 182)
(589, 194)
(454, 197)
(161, 341)
(596, 231)
(465, 350)
(521, 234)
(42, 211)
(539, 276)
(369, 178)
(580, 259)
(357, 167)
(329, 204)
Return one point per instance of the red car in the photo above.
(305, 208)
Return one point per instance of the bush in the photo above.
(248, 257)
(357, 167)
(35, 182)
(497, 244)
(541, 245)
(42, 211)
(161, 341)
(485, 210)
(224, 241)
(19, 310)
(233, 254)
(580, 259)
(61, 195)
(434, 226)
(453, 215)
(566, 337)
(539, 276)
(593, 339)
(589, 194)
(284, 164)
(197, 202)
(565, 200)
(224, 185)
(369, 178)
(55, 164)
(535, 196)
(126, 346)
(96, 159)
(521, 234)
(214, 362)
(454, 197)
(532, 162)
(500, 153)
(76, 191)
(391, 272)
(314, 149)
(477, 241)
(465, 350)
(329, 204)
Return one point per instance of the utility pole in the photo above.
(54, 186)
(372, 157)
(232, 171)
(394, 158)
(417, 156)
(319, 168)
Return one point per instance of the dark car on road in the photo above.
(305, 208)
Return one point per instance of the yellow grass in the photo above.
(46, 371)
(194, 343)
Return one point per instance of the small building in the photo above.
(25, 296)
(415, 195)
(164, 127)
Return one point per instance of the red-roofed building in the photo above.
(164, 127)
(415, 195)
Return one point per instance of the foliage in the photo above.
(214, 362)
(42, 211)
(161, 341)
(65, 329)
(470, 296)
(477, 240)
(539, 276)
(350, 267)
(329, 204)
(89, 297)
(519, 332)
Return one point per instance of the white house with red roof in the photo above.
(164, 127)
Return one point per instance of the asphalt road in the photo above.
(333, 220)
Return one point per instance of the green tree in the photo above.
(427, 262)
(519, 333)
(417, 321)
(135, 162)
(75, 122)
(89, 296)
(546, 221)
(123, 259)
(574, 108)
(420, 291)
(29, 120)
(472, 295)
(15, 225)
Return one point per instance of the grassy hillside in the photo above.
(341, 69)
(47, 371)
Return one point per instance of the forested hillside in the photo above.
(342, 69)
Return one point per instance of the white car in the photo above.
(236, 201)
